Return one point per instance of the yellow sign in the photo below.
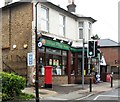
(50, 61)
(84, 72)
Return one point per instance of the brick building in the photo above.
(110, 49)
(18, 39)
(16, 33)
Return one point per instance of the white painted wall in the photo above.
(71, 28)
(71, 25)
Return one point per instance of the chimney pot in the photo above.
(71, 7)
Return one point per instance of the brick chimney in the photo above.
(71, 7)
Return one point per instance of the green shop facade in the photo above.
(66, 61)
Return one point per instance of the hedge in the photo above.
(11, 85)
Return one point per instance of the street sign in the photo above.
(30, 59)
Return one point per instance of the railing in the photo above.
(18, 58)
(8, 69)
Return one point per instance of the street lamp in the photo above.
(36, 52)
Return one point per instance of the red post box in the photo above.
(108, 78)
(48, 77)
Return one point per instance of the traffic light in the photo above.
(96, 50)
(91, 48)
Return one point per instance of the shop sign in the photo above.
(55, 44)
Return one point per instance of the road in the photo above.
(108, 96)
(113, 95)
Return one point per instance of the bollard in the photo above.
(111, 81)
(90, 84)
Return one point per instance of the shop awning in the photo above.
(63, 46)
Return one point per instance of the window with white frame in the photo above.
(81, 29)
(61, 25)
(44, 19)
(89, 30)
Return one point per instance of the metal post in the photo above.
(111, 80)
(36, 52)
(99, 64)
(83, 65)
(89, 62)
(90, 84)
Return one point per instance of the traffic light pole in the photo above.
(89, 62)
(83, 63)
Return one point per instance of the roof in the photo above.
(107, 43)
(53, 6)
(57, 8)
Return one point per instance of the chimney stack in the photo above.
(71, 7)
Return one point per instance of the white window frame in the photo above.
(80, 36)
(89, 30)
(45, 19)
(62, 25)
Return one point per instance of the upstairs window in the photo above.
(81, 28)
(61, 25)
(44, 19)
(89, 30)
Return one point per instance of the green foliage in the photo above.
(24, 96)
(11, 85)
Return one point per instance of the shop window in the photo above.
(79, 64)
(55, 58)
(64, 53)
(41, 49)
(53, 51)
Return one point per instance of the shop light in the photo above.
(54, 38)
(61, 41)
(70, 43)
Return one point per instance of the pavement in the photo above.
(71, 91)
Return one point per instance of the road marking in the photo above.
(105, 96)
(85, 97)
(55, 98)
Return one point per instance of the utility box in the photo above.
(48, 77)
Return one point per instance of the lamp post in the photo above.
(36, 52)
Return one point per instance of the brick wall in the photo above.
(16, 30)
(56, 80)
(110, 54)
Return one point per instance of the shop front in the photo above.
(66, 62)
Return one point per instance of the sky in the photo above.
(104, 11)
